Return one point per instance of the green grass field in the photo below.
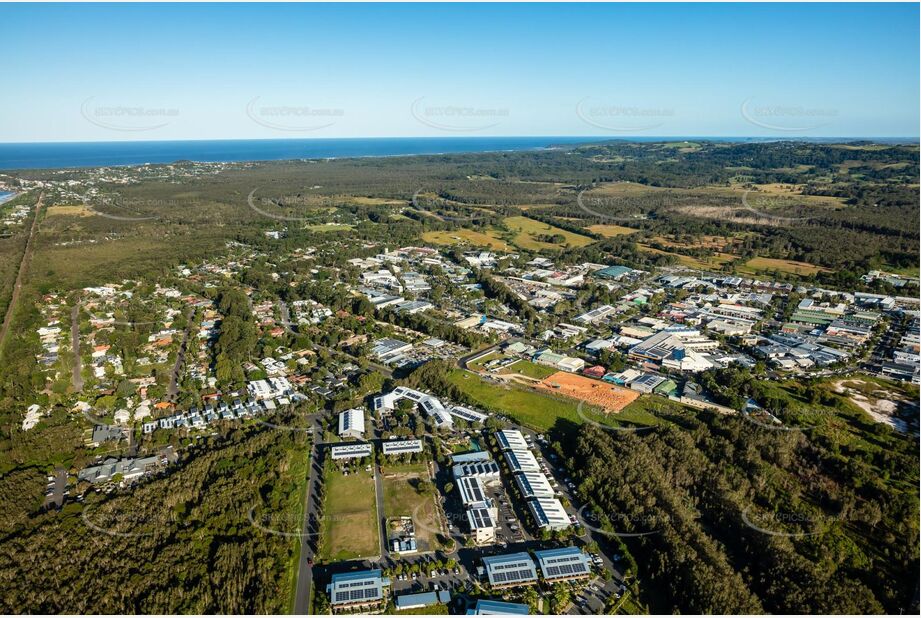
(488, 239)
(478, 363)
(537, 410)
(531, 370)
(609, 230)
(403, 498)
(761, 264)
(350, 529)
(330, 227)
(527, 230)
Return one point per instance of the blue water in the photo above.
(4, 197)
(55, 155)
(48, 155)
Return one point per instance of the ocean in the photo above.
(57, 155)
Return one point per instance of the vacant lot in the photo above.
(489, 239)
(408, 492)
(594, 392)
(787, 266)
(329, 227)
(534, 408)
(527, 231)
(350, 528)
(529, 369)
(77, 210)
(611, 230)
(713, 261)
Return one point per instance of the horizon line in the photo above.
(471, 137)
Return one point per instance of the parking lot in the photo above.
(454, 580)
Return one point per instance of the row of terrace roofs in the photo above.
(197, 419)
(535, 487)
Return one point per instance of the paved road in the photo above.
(58, 485)
(379, 495)
(310, 527)
(172, 392)
(21, 273)
(76, 378)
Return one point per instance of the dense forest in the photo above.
(182, 542)
(736, 518)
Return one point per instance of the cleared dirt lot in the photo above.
(595, 392)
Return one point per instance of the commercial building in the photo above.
(486, 471)
(271, 388)
(510, 570)
(352, 424)
(563, 564)
(361, 589)
(487, 607)
(128, 469)
(534, 485)
(549, 513)
(482, 521)
(400, 447)
(355, 450)
(405, 602)
(522, 460)
(471, 491)
(511, 439)
(386, 348)
(430, 405)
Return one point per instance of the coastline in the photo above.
(89, 155)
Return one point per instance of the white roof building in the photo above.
(352, 423)
(549, 513)
(511, 439)
(522, 460)
(399, 447)
(351, 451)
(471, 491)
(534, 485)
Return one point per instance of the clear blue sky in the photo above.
(210, 71)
